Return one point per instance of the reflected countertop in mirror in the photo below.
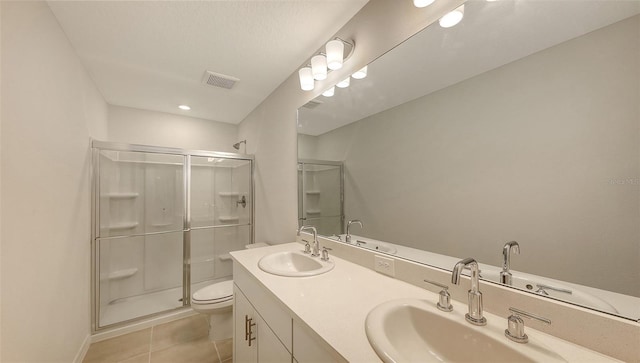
(520, 123)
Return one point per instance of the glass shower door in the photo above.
(221, 216)
(139, 234)
(320, 195)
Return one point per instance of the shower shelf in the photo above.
(121, 195)
(203, 259)
(120, 274)
(162, 224)
(228, 218)
(128, 225)
(313, 192)
(229, 194)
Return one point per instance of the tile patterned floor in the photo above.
(184, 340)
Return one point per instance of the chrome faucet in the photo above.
(315, 248)
(505, 274)
(347, 238)
(475, 296)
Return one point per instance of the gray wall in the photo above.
(135, 126)
(50, 109)
(539, 151)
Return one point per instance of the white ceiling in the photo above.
(153, 54)
(491, 34)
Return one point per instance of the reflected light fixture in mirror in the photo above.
(319, 67)
(360, 74)
(330, 92)
(422, 3)
(345, 83)
(452, 18)
(306, 79)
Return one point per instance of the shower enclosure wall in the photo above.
(321, 195)
(164, 222)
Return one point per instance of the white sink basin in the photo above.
(571, 294)
(410, 330)
(294, 264)
(377, 246)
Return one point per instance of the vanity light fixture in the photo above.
(360, 74)
(345, 83)
(330, 92)
(422, 3)
(319, 67)
(452, 18)
(337, 51)
(306, 79)
(184, 107)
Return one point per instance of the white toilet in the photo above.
(216, 301)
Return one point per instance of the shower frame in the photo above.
(96, 147)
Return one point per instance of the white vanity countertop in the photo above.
(335, 304)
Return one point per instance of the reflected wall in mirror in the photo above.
(520, 123)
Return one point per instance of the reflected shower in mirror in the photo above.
(520, 123)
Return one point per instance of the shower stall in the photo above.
(321, 195)
(164, 221)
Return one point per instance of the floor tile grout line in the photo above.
(150, 342)
(215, 345)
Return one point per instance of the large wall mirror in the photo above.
(521, 123)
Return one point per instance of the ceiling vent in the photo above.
(219, 80)
(312, 104)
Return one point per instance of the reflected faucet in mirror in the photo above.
(505, 274)
(474, 316)
(347, 238)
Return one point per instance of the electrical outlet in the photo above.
(384, 265)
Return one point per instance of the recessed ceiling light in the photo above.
(184, 107)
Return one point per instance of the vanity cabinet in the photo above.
(254, 341)
(265, 331)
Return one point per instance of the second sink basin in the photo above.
(411, 330)
(294, 264)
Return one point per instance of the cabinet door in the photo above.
(270, 348)
(310, 348)
(245, 341)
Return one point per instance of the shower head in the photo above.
(237, 144)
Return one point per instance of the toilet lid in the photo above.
(220, 291)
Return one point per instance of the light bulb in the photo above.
(335, 54)
(330, 92)
(306, 79)
(452, 18)
(345, 83)
(319, 67)
(422, 3)
(361, 73)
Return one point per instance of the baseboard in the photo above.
(130, 328)
(83, 350)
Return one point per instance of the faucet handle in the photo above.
(307, 248)
(444, 303)
(325, 253)
(515, 329)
